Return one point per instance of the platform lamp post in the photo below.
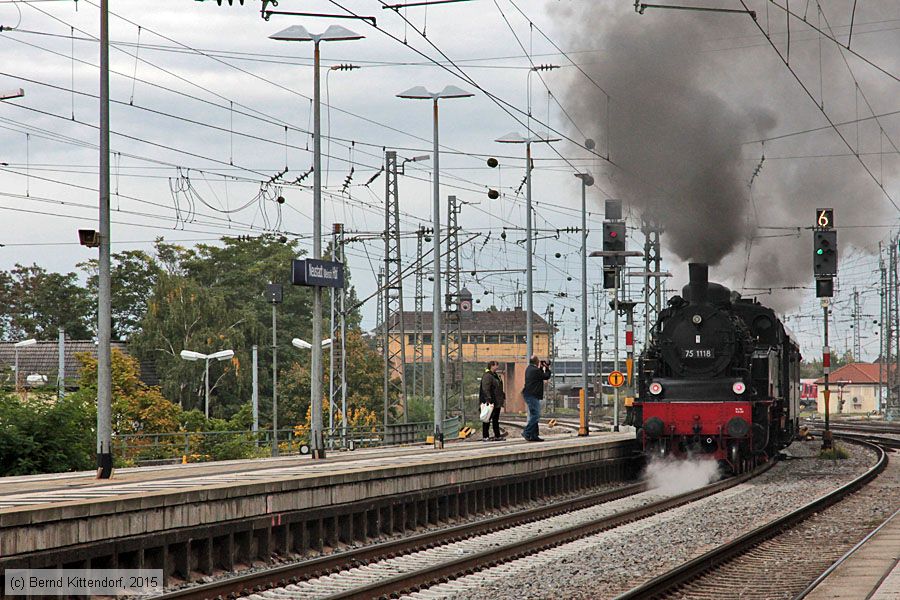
(516, 138)
(222, 355)
(334, 33)
(18, 346)
(420, 93)
(587, 180)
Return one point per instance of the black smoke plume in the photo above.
(681, 110)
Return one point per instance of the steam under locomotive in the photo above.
(720, 378)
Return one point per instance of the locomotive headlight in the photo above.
(738, 387)
(696, 319)
(656, 388)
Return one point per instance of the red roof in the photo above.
(858, 373)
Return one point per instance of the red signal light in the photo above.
(613, 234)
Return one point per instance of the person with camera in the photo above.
(492, 393)
(535, 376)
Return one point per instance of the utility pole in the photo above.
(881, 404)
(826, 369)
(551, 352)
(61, 370)
(275, 295)
(394, 330)
(892, 342)
(857, 346)
(343, 345)
(652, 275)
(336, 375)
(418, 378)
(614, 234)
(628, 307)
(381, 340)
(104, 296)
(255, 396)
(453, 380)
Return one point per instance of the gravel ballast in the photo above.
(613, 562)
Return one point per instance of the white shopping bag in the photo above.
(486, 410)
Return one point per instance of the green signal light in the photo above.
(820, 252)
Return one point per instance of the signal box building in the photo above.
(854, 389)
(487, 335)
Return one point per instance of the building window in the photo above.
(411, 339)
(426, 338)
(522, 339)
(507, 339)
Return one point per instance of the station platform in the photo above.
(872, 571)
(183, 515)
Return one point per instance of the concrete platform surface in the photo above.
(34, 490)
(37, 513)
(871, 572)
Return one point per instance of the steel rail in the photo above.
(670, 581)
(818, 580)
(242, 585)
(422, 578)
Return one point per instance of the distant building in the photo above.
(488, 335)
(43, 359)
(854, 389)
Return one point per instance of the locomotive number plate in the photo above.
(697, 353)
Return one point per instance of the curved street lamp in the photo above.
(334, 33)
(420, 93)
(222, 355)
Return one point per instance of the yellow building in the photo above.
(486, 335)
(854, 389)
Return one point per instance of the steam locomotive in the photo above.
(720, 378)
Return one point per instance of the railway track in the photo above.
(418, 561)
(723, 571)
(243, 585)
(447, 559)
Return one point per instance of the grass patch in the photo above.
(836, 453)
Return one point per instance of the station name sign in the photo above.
(312, 272)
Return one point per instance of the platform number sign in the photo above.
(824, 218)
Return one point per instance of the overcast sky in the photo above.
(206, 109)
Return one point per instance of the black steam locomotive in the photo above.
(720, 378)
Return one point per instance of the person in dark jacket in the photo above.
(535, 376)
(492, 393)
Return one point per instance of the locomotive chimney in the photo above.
(696, 290)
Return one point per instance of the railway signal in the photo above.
(825, 257)
(825, 269)
(825, 252)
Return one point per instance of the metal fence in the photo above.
(204, 446)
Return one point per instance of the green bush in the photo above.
(43, 435)
(835, 453)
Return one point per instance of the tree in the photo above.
(136, 407)
(813, 368)
(182, 314)
(38, 303)
(133, 275)
(364, 381)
